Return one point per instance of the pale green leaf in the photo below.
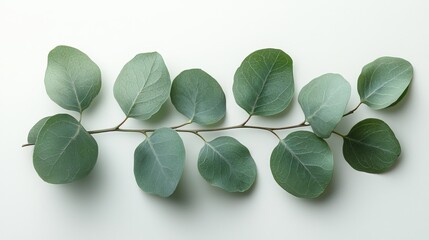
(72, 79)
(198, 96)
(323, 101)
(64, 150)
(263, 84)
(227, 164)
(34, 131)
(371, 146)
(142, 86)
(159, 161)
(302, 164)
(383, 82)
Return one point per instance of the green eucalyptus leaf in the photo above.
(64, 150)
(159, 161)
(142, 86)
(302, 164)
(383, 81)
(227, 164)
(371, 146)
(323, 101)
(198, 96)
(72, 79)
(34, 131)
(263, 84)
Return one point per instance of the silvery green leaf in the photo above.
(72, 79)
(64, 150)
(227, 164)
(324, 101)
(198, 96)
(302, 164)
(263, 84)
(34, 131)
(371, 146)
(383, 82)
(142, 86)
(159, 161)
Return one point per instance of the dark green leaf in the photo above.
(34, 131)
(371, 146)
(64, 150)
(72, 79)
(263, 84)
(302, 164)
(198, 96)
(383, 81)
(142, 86)
(324, 101)
(159, 161)
(227, 164)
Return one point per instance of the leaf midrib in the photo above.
(133, 104)
(385, 82)
(65, 148)
(301, 163)
(368, 145)
(264, 83)
(221, 156)
(156, 156)
(72, 81)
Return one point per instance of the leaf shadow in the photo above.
(86, 192)
(234, 195)
(395, 165)
(181, 196)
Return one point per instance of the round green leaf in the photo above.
(323, 101)
(227, 164)
(34, 131)
(383, 81)
(142, 86)
(72, 79)
(263, 84)
(198, 96)
(371, 146)
(302, 164)
(159, 161)
(64, 150)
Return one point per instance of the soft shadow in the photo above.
(181, 196)
(234, 195)
(86, 187)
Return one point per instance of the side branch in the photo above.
(353, 110)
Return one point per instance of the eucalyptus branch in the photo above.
(198, 130)
(302, 163)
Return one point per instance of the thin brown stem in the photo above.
(247, 120)
(122, 123)
(193, 132)
(197, 131)
(353, 110)
(181, 125)
(339, 134)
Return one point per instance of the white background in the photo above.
(321, 36)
